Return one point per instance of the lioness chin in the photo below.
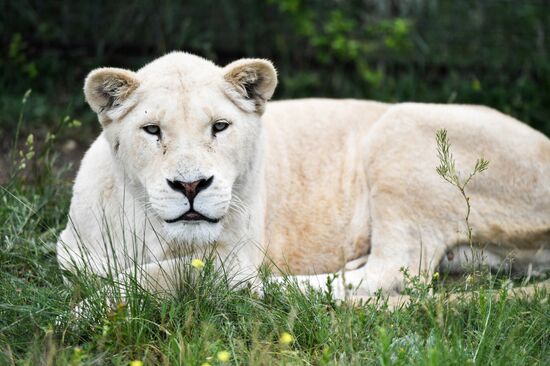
(191, 157)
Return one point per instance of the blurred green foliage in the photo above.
(492, 52)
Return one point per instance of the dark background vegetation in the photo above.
(492, 52)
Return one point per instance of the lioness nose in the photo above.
(190, 189)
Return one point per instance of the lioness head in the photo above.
(186, 133)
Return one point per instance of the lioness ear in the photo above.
(251, 83)
(106, 88)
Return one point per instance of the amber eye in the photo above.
(152, 129)
(219, 126)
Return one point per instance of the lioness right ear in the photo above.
(106, 88)
(251, 83)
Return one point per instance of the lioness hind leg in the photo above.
(342, 285)
(395, 255)
(401, 239)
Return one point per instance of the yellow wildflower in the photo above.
(136, 363)
(205, 364)
(286, 338)
(224, 356)
(197, 263)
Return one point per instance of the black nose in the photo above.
(190, 189)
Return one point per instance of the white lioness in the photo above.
(188, 159)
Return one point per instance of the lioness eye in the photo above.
(152, 129)
(219, 126)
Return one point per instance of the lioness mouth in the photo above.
(193, 215)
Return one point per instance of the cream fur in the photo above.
(313, 184)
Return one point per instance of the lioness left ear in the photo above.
(252, 82)
(106, 88)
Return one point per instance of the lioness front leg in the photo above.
(162, 277)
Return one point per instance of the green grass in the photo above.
(208, 316)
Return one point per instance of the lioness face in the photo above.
(186, 132)
(186, 150)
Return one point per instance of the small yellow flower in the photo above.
(197, 263)
(136, 363)
(224, 356)
(435, 277)
(205, 364)
(286, 338)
